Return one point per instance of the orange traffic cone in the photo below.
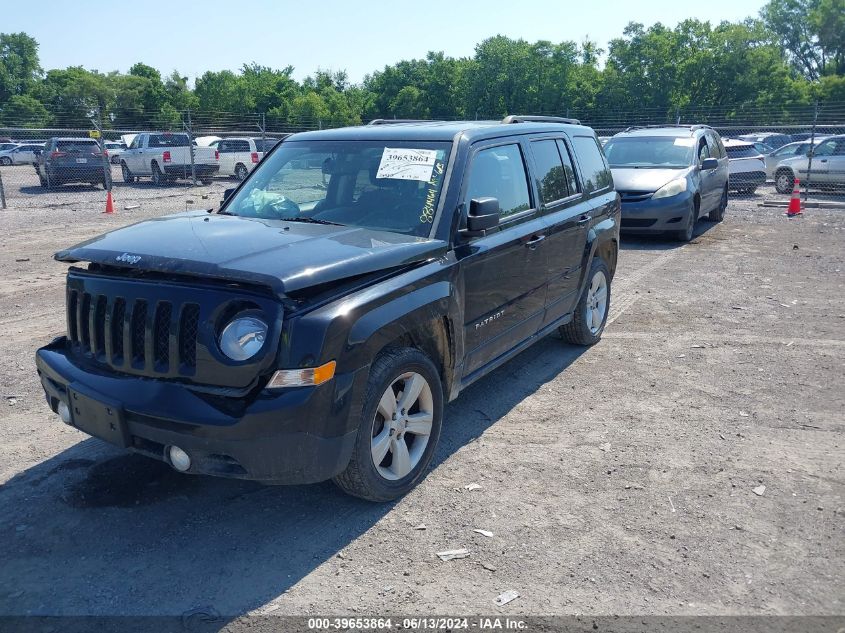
(109, 204)
(795, 202)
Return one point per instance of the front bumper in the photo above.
(292, 436)
(654, 216)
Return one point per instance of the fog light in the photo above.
(64, 412)
(179, 459)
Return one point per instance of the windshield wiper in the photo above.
(310, 221)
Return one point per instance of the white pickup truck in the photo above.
(165, 157)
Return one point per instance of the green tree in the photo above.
(20, 69)
(24, 111)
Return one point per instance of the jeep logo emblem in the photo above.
(126, 258)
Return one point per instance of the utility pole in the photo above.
(190, 131)
(97, 121)
(812, 150)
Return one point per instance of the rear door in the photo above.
(567, 217)
(504, 272)
(823, 158)
(836, 163)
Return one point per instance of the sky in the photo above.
(359, 37)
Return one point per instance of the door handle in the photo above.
(583, 219)
(532, 243)
(823, 160)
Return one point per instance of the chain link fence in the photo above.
(773, 131)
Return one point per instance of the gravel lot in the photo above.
(616, 480)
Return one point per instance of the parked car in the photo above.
(308, 332)
(786, 151)
(166, 157)
(669, 177)
(747, 166)
(239, 155)
(70, 160)
(115, 149)
(763, 148)
(772, 139)
(828, 166)
(24, 154)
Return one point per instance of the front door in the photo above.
(504, 272)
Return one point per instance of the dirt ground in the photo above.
(615, 480)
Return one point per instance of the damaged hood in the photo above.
(285, 256)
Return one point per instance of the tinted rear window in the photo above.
(77, 146)
(266, 145)
(594, 170)
(168, 140)
(742, 151)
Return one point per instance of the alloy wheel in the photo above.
(402, 426)
(596, 302)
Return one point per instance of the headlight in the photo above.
(670, 189)
(243, 338)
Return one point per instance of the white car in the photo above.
(828, 168)
(115, 149)
(746, 166)
(5, 153)
(240, 155)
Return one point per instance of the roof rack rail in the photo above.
(655, 127)
(531, 118)
(394, 121)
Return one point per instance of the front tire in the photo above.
(590, 315)
(399, 428)
(5, 161)
(784, 181)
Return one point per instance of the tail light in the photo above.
(57, 154)
(216, 154)
(166, 157)
(254, 157)
(106, 153)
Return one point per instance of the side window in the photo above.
(839, 150)
(703, 149)
(135, 141)
(593, 165)
(241, 146)
(568, 169)
(553, 180)
(825, 149)
(713, 145)
(499, 172)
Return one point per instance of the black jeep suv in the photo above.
(356, 281)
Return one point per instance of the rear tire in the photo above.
(384, 437)
(718, 214)
(241, 172)
(156, 176)
(128, 176)
(206, 181)
(590, 315)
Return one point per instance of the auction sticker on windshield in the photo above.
(407, 164)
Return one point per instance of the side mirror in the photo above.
(228, 194)
(709, 163)
(483, 215)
